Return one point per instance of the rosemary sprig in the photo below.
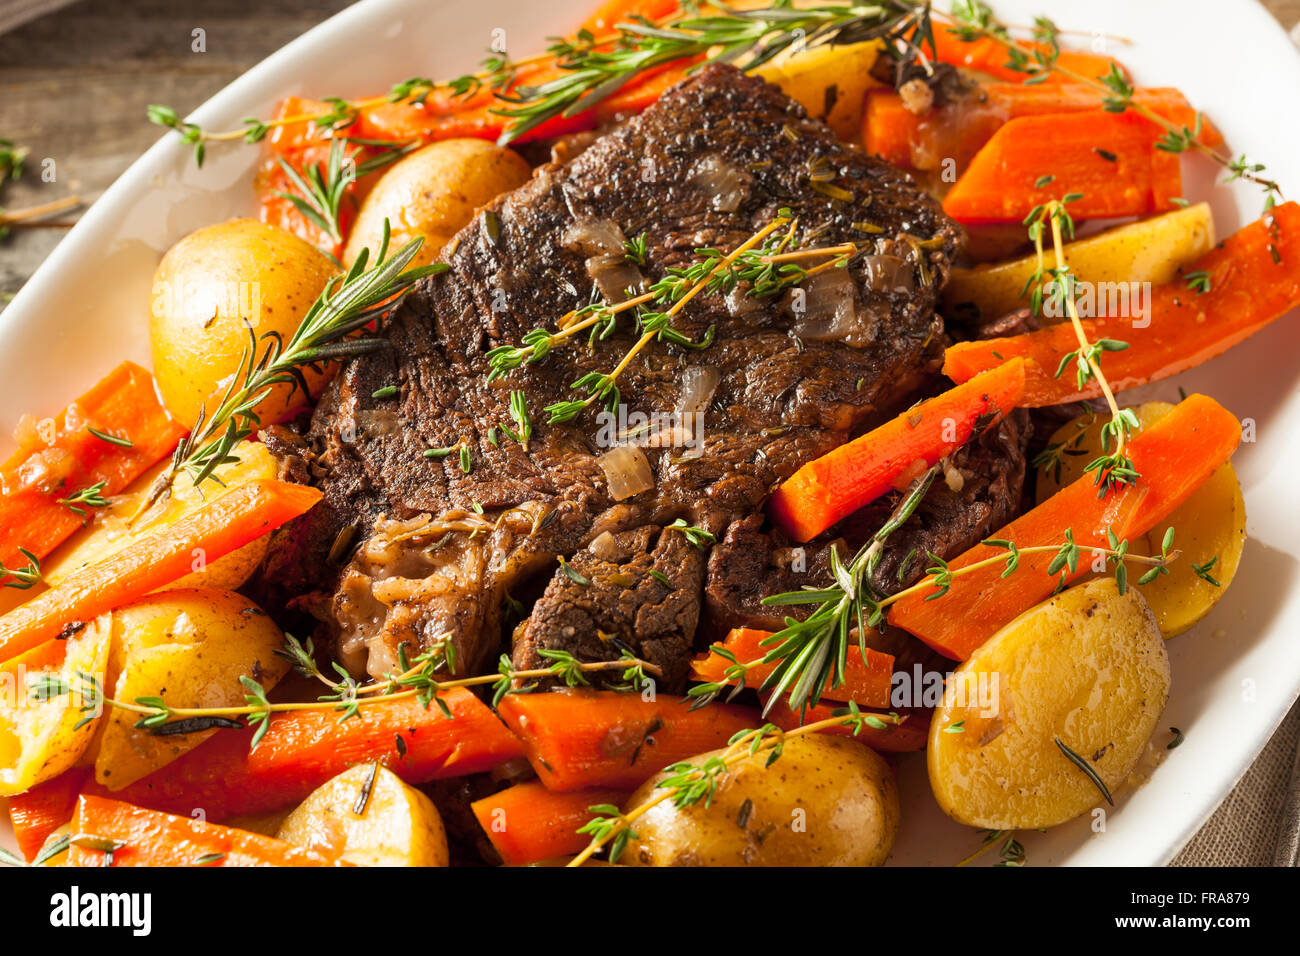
(744, 38)
(320, 191)
(810, 654)
(347, 305)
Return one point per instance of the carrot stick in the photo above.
(123, 405)
(866, 684)
(854, 475)
(528, 823)
(303, 749)
(1110, 158)
(990, 57)
(44, 808)
(958, 130)
(581, 739)
(1249, 287)
(906, 733)
(613, 12)
(1173, 457)
(219, 527)
(140, 837)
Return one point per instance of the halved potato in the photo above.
(1209, 528)
(828, 801)
(189, 647)
(1151, 250)
(368, 817)
(40, 739)
(112, 528)
(1087, 668)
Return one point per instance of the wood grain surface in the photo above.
(74, 85)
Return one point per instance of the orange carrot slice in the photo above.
(305, 748)
(528, 823)
(1109, 158)
(1174, 457)
(139, 837)
(1253, 276)
(223, 525)
(866, 684)
(856, 474)
(576, 740)
(124, 406)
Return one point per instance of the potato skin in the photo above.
(433, 193)
(828, 801)
(1210, 524)
(1089, 667)
(190, 647)
(205, 288)
(400, 826)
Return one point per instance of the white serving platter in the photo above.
(1235, 675)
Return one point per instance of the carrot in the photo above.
(866, 684)
(290, 137)
(581, 739)
(613, 12)
(906, 732)
(845, 479)
(219, 527)
(528, 823)
(124, 405)
(303, 749)
(40, 811)
(1109, 158)
(957, 131)
(140, 837)
(990, 57)
(1254, 279)
(1173, 457)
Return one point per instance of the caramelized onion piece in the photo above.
(627, 470)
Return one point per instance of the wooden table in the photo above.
(74, 86)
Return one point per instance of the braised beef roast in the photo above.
(408, 548)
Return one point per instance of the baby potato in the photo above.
(1087, 668)
(827, 801)
(112, 528)
(189, 647)
(367, 816)
(433, 193)
(1209, 527)
(208, 290)
(40, 739)
(1147, 251)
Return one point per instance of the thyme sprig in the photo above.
(418, 678)
(27, 577)
(973, 20)
(688, 784)
(348, 305)
(1113, 467)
